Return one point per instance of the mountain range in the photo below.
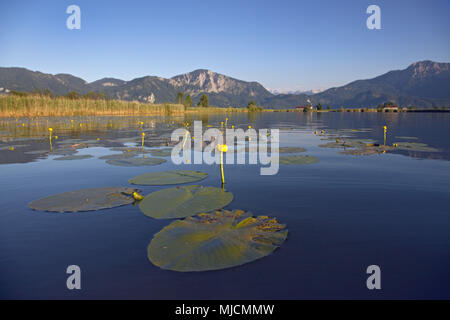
(423, 84)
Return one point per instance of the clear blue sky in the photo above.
(281, 44)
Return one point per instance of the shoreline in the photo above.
(44, 106)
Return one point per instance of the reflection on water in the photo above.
(344, 212)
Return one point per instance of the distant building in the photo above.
(390, 109)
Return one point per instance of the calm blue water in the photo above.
(343, 214)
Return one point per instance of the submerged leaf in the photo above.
(184, 201)
(215, 241)
(168, 177)
(292, 160)
(136, 162)
(85, 200)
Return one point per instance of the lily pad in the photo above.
(291, 150)
(414, 146)
(214, 241)
(167, 152)
(168, 177)
(127, 149)
(135, 162)
(15, 146)
(118, 156)
(349, 143)
(367, 151)
(295, 160)
(75, 157)
(85, 200)
(181, 202)
(407, 138)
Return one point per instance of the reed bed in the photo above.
(16, 106)
(42, 106)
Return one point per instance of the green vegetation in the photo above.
(72, 95)
(204, 101)
(217, 240)
(45, 104)
(296, 160)
(168, 177)
(181, 202)
(37, 105)
(253, 107)
(180, 97)
(188, 101)
(85, 200)
(135, 162)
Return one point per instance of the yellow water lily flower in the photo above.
(137, 196)
(222, 147)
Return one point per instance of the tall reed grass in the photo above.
(42, 106)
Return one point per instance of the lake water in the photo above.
(344, 213)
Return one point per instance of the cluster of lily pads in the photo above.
(352, 146)
(204, 236)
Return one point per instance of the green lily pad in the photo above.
(135, 162)
(75, 157)
(181, 202)
(167, 152)
(168, 177)
(367, 151)
(414, 146)
(291, 150)
(407, 138)
(127, 149)
(85, 200)
(118, 156)
(334, 144)
(214, 241)
(295, 160)
(348, 143)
